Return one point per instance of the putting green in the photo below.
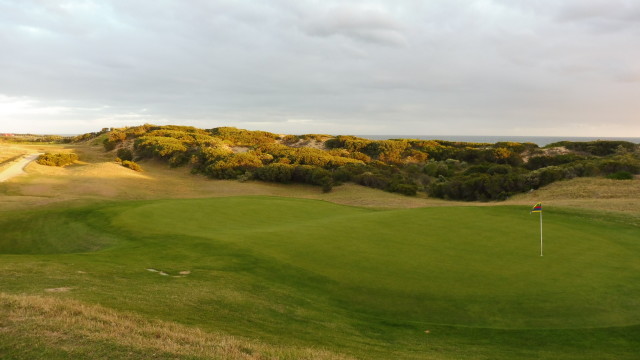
(473, 266)
(315, 272)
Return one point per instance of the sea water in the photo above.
(539, 140)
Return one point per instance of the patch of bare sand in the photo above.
(554, 151)
(60, 289)
(310, 143)
(239, 149)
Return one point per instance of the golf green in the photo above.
(364, 282)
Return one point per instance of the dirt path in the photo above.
(17, 168)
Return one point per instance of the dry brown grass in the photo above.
(83, 330)
(591, 193)
(9, 154)
(98, 177)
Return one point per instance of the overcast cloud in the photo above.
(474, 67)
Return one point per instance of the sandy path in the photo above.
(17, 168)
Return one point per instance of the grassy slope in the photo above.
(97, 178)
(620, 196)
(363, 282)
(44, 327)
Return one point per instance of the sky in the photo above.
(411, 67)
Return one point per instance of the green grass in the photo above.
(361, 282)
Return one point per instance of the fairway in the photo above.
(362, 282)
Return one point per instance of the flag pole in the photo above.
(538, 208)
(540, 233)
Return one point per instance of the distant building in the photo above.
(7, 134)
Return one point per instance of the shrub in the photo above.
(59, 159)
(369, 179)
(618, 164)
(405, 189)
(598, 147)
(114, 138)
(233, 165)
(327, 187)
(621, 175)
(132, 165)
(538, 162)
(159, 146)
(240, 137)
(350, 143)
(108, 145)
(275, 172)
(124, 154)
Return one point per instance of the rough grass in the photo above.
(10, 153)
(588, 193)
(42, 327)
(588, 188)
(98, 177)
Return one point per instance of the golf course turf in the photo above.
(360, 282)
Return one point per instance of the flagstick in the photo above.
(540, 233)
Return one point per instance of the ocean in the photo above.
(539, 140)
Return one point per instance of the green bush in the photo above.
(538, 162)
(405, 189)
(124, 154)
(276, 172)
(621, 175)
(599, 147)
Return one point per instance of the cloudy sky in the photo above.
(421, 67)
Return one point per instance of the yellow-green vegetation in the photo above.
(32, 139)
(442, 169)
(57, 159)
(132, 165)
(98, 177)
(621, 175)
(10, 153)
(289, 276)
